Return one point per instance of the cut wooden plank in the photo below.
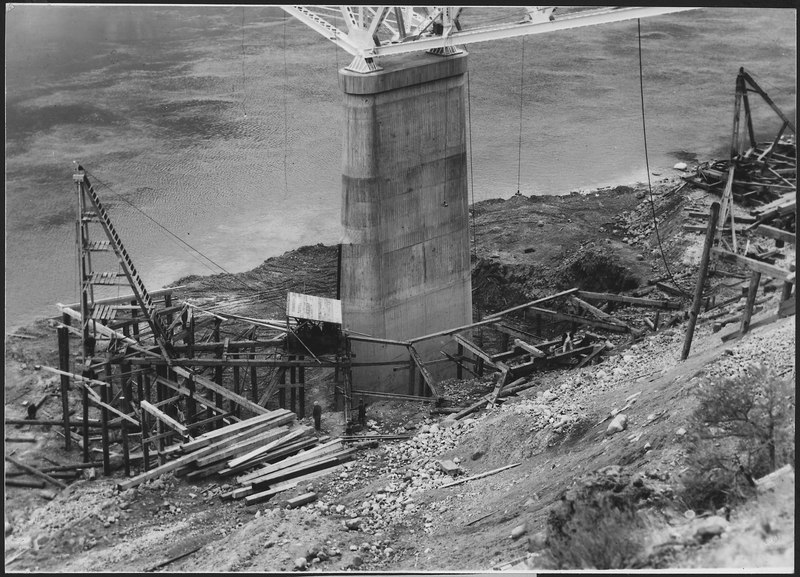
(426, 375)
(603, 316)
(305, 467)
(776, 233)
(530, 349)
(219, 389)
(164, 418)
(475, 350)
(664, 304)
(291, 435)
(752, 264)
(301, 500)
(278, 453)
(212, 436)
(480, 476)
(242, 446)
(264, 495)
(36, 472)
(190, 458)
(329, 447)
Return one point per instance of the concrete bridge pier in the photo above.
(405, 269)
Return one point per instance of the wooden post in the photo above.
(301, 392)
(480, 367)
(218, 372)
(701, 279)
(253, 374)
(104, 397)
(63, 364)
(146, 424)
(281, 387)
(234, 408)
(459, 353)
(755, 278)
(85, 414)
(160, 396)
(125, 405)
(412, 374)
(292, 388)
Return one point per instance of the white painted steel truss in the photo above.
(369, 32)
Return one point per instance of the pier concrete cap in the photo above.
(403, 70)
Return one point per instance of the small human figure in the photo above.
(317, 412)
(567, 345)
(362, 412)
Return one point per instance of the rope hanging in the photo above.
(521, 89)
(647, 162)
(285, 117)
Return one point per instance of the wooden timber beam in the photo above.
(394, 396)
(222, 391)
(426, 375)
(777, 234)
(514, 332)
(533, 303)
(664, 304)
(475, 350)
(752, 264)
(614, 327)
(530, 349)
(591, 309)
(164, 418)
(449, 332)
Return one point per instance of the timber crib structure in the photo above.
(165, 381)
(194, 390)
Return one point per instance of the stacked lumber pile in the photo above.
(272, 452)
(760, 175)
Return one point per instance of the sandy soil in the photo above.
(408, 521)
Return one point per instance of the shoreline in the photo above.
(600, 189)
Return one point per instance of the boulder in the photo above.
(710, 528)
(448, 467)
(617, 424)
(300, 563)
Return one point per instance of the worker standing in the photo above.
(317, 412)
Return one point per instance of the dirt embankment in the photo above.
(407, 520)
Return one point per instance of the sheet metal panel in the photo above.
(313, 308)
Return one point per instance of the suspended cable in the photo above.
(471, 177)
(521, 88)
(647, 164)
(244, 89)
(285, 118)
(176, 237)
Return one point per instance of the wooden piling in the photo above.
(253, 373)
(701, 279)
(104, 398)
(755, 279)
(301, 392)
(145, 424)
(63, 364)
(459, 366)
(88, 373)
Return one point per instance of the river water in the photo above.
(220, 127)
